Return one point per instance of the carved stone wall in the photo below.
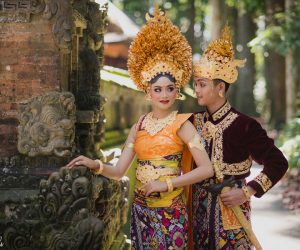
(51, 109)
(47, 125)
(88, 43)
(35, 37)
(72, 210)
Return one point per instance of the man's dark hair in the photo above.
(218, 81)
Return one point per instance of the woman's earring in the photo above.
(148, 96)
(179, 96)
(221, 94)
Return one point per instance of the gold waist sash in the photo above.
(148, 173)
(157, 170)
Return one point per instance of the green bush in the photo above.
(289, 139)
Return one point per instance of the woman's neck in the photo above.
(159, 114)
(216, 105)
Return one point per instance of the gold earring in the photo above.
(148, 96)
(221, 94)
(179, 96)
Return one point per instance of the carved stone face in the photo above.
(47, 125)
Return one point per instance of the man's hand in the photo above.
(233, 197)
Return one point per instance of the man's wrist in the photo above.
(251, 190)
(246, 192)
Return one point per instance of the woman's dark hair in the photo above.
(169, 76)
(218, 81)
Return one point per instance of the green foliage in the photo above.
(253, 6)
(284, 34)
(179, 12)
(270, 38)
(113, 139)
(290, 142)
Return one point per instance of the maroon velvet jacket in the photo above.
(237, 140)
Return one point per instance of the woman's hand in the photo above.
(154, 186)
(82, 160)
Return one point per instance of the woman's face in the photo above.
(163, 93)
(206, 91)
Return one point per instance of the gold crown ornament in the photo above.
(218, 60)
(159, 48)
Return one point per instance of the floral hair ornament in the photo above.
(159, 48)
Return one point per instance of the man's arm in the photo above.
(263, 151)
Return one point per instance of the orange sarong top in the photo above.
(163, 152)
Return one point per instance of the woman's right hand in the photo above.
(85, 161)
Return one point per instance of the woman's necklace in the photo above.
(154, 125)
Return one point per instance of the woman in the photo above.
(160, 64)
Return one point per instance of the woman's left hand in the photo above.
(83, 160)
(154, 186)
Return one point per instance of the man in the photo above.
(232, 140)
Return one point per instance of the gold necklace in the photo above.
(154, 125)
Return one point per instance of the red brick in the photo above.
(29, 49)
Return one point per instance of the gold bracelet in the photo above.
(100, 169)
(246, 193)
(129, 145)
(169, 184)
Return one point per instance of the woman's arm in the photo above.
(204, 169)
(109, 171)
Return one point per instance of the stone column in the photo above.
(51, 110)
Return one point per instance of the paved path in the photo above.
(275, 227)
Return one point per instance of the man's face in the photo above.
(206, 91)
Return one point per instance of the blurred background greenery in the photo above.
(265, 32)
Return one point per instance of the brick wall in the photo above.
(29, 66)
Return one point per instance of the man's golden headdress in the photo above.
(159, 48)
(218, 60)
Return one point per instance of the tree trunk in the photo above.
(191, 16)
(233, 18)
(275, 68)
(245, 85)
(291, 74)
(219, 17)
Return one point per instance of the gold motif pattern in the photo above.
(217, 155)
(236, 168)
(264, 181)
(208, 131)
(148, 173)
(199, 122)
(218, 173)
(153, 125)
(221, 112)
(219, 165)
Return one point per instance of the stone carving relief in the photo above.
(60, 11)
(89, 102)
(47, 125)
(63, 216)
(19, 10)
(71, 209)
